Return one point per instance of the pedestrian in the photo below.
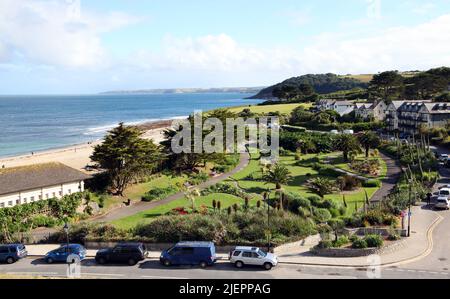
(429, 195)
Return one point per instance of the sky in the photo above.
(91, 46)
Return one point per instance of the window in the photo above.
(40, 197)
(24, 200)
(247, 254)
(4, 249)
(60, 194)
(10, 203)
(2, 205)
(187, 250)
(236, 253)
(70, 191)
(32, 198)
(17, 201)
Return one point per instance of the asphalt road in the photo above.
(151, 269)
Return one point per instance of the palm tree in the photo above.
(190, 195)
(278, 174)
(322, 186)
(347, 143)
(369, 140)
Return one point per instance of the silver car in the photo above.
(442, 203)
(252, 256)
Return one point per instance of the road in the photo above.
(151, 269)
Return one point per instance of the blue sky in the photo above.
(80, 46)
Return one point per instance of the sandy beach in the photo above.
(77, 156)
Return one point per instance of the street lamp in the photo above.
(66, 230)
(267, 198)
(409, 208)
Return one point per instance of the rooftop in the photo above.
(24, 178)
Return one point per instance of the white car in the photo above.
(444, 192)
(336, 132)
(349, 132)
(446, 186)
(442, 203)
(443, 158)
(252, 256)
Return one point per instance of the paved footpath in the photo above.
(144, 206)
(391, 179)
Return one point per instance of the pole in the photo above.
(409, 211)
(268, 222)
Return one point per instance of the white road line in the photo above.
(102, 274)
(32, 273)
(163, 277)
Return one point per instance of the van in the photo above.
(11, 253)
(190, 253)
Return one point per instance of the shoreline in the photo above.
(77, 155)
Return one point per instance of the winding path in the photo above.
(144, 206)
(391, 179)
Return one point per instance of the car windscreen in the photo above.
(445, 192)
(262, 253)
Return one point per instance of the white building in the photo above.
(26, 184)
(377, 110)
(341, 107)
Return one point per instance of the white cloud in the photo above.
(424, 8)
(52, 33)
(403, 48)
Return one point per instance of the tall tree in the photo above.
(387, 85)
(125, 156)
(347, 143)
(369, 140)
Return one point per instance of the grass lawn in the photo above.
(282, 108)
(135, 192)
(297, 184)
(147, 216)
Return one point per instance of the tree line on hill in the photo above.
(388, 86)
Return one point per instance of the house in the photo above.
(325, 104)
(392, 113)
(413, 115)
(376, 110)
(343, 107)
(26, 184)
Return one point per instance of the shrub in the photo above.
(390, 220)
(341, 241)
(393, 237)
(374, 217)
(198, 178)
(324, 244)
(353, 238)
(374, 241)
(359, 244)
(159, 193)
(373, 183)
(348, 183)
(322, 215)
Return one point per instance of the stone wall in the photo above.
(349, 252)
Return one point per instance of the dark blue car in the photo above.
(11, 253)
(190, 253)
(61, 254)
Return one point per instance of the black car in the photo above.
(123, 253)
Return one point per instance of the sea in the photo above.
(37, 123)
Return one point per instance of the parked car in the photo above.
(443, 158)
(122, 253)
(444, 192)
(349, 132)
(442, 203)
(335, 132)
(252, 256)
(190, 253)
(11, 253)
(445, 186)
(61, 254)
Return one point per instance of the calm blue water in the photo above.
(35, 123)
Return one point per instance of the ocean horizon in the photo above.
(38, 123)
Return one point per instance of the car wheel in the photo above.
(239, 264)
(10, 260)
(102, 261)
(132, 262)
(268, 266)
(49, 260)
(167, 263)
(203, 265)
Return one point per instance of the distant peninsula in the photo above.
(251, 90)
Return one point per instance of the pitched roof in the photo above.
(37, 176)
(438, 108)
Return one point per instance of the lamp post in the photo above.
(409, 208)
(267, 198)
(66, 230)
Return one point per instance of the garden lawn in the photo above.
(149, 215)
(300, 175)
(339, 163)
(135, 192)
(282, 108)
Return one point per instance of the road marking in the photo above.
(33, 273)
(163, 277)
(102, 274)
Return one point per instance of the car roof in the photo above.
(445, 189)
(130, 244)
(246, 248)
(195, 244)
